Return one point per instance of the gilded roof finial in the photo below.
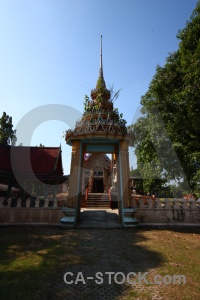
(101, 63)
(100, 81)
(100, 89)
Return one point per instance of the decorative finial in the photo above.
(101, 63)
(100, 81)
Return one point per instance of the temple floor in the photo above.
(99, 218)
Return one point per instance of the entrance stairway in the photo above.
(98, 200)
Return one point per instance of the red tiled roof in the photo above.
(43, 159)
(87, 158)
(5, 158)
(46, 160)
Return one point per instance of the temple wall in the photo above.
(47, 215)
(166, 211)
(43, 216)
(148, 211)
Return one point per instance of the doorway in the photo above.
(98, 186)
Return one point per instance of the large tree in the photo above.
(168, 134)
(7, 134)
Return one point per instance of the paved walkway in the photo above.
(99, 218)
(94, 252)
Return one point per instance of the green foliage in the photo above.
(117, 116)
(114, 95)
(147, 183)
(168, 134)
(100, 84)
(135, 173)
(91, 107)
(7, 134)
(86, 103)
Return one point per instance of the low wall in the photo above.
(166, 211)
(29, 214)
(148, 211)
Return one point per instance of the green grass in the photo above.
(30, 260)
(34, 259)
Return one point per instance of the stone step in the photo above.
(97, 196)
(98, 200)
(129, 217)
(98, 204)
(68, 219)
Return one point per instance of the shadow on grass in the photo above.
(34, 261)
(173, 228)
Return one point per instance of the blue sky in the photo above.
(49, 54)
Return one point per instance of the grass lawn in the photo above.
(34, 260)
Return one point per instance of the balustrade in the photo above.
(166, 211)
(147, 210)
(29, 203)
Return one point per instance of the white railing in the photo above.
(166, 210)
(29, 211)
(47, 211)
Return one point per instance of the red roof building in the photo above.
(30, 163)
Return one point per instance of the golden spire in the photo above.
(101, 63)
(100, 81)
(100, 89)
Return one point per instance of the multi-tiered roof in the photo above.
(99, 119)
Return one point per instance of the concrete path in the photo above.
(99, 218)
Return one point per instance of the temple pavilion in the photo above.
(99, 132)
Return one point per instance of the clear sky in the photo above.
(49, 54)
